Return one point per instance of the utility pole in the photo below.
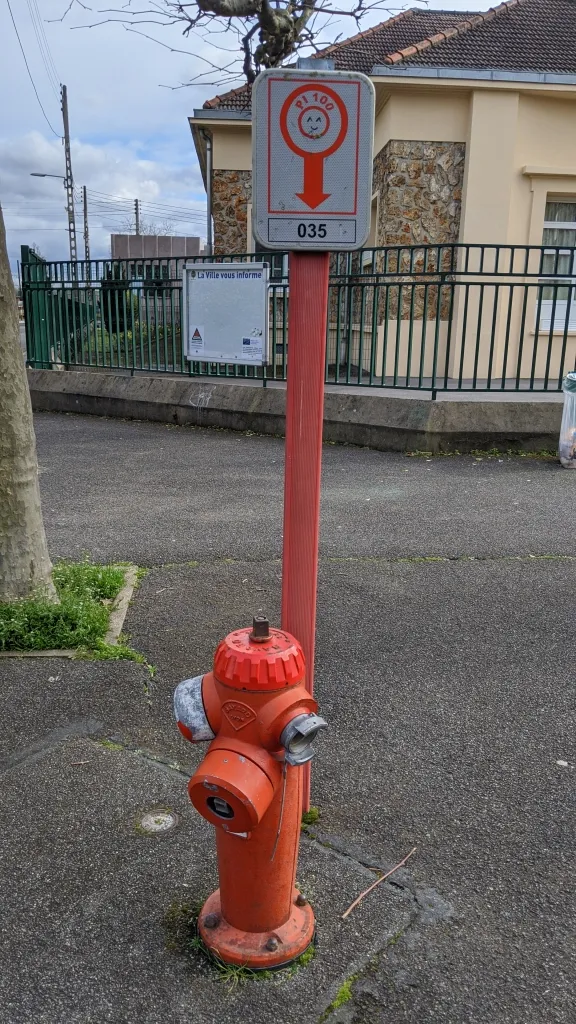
(137, 215)
(86, 231)
(69, 179)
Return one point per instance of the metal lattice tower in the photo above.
(69, 180)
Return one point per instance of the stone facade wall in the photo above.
(231, 193)
(420, 186)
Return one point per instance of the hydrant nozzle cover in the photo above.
(272, 664)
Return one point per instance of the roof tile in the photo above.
(362, 51)
(517, 35)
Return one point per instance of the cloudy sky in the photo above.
(128, 121)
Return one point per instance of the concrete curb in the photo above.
(369, 420)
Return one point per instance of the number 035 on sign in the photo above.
(312, 159)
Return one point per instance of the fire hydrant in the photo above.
(261, 722)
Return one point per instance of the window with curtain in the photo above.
(559, 300)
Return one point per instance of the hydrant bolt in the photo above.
(272, 944)
(211, 920)
(301, 900)
(260, 629)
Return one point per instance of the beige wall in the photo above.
(232, 148)
(424, 115)
(546, 145)
(489, 174)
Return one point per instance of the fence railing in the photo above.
(430, 317)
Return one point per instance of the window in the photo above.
(559, 300)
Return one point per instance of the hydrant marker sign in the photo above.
(312, 159)
(225, 312)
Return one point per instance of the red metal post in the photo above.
(308, 311)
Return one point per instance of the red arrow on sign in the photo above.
(313, 192)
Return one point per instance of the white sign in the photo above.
(225, 312)
(312, 159)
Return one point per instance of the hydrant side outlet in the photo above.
(190, 713)
(249, 786)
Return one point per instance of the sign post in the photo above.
(312, 193)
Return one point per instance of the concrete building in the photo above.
(150, 247)
(154, 256)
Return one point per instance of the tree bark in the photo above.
(25, 567)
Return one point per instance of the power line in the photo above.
(30, 73)
(43, 45)
(47, 45)
(48, 205)
(143, 202)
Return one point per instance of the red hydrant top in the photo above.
(259, 659)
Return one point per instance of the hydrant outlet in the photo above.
(190, 713)
(231, 791)
(298, 737)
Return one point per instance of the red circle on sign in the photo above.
(307, 133)
(343, 121)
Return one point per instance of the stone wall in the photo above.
(420, 186)
(420, 189)
(231, 193)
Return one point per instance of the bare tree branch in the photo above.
(267, 35)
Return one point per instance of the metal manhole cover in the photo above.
(158, 820)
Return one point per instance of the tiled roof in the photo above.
(517, 35)
(236, 99)
(363, 51)
(521, 35)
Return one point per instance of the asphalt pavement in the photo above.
(445, 670)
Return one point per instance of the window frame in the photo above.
(564, 317)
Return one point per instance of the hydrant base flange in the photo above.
(257, 950)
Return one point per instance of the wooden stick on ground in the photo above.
(377, 882)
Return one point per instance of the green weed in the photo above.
(88, 579)
(181, 926)
(86, 591)
(344, 995)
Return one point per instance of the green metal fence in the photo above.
(431, 317)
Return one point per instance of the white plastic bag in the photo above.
(567, 445)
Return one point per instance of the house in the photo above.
(475, 136)
(475, 127)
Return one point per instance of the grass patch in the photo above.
(181, 927)
(344, 995)
(311, 817)
(80, 621)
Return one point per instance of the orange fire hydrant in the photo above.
(262, 723)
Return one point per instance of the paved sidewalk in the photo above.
(445, 669)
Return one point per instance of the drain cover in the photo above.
(158, 820)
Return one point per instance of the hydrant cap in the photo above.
(246, 663)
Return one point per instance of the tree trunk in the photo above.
(25, 567)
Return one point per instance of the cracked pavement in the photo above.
(445, 670)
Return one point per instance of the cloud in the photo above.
(131, 137)
(34, 208)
